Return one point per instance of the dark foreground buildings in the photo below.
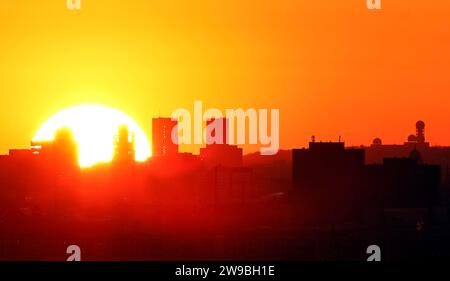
(345, 189)
(330, 176)
(324, 202)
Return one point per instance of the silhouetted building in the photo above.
(404, 183)
(435, 155)
(222, 155)
(124, 148)
(378, 151)
(325, 165)
(62, 151)
(328, 180)
(24, 154)
(162, 143)
(218, 152)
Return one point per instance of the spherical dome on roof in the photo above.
(412, 138)
(420, 125)
(377, 141)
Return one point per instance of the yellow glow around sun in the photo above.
(94, 128)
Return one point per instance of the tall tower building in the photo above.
(124, 150)
(162, 143)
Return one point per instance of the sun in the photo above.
(94, 128)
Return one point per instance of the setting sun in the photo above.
(94, 128)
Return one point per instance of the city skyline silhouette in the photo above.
(222, 204)
(258, 130)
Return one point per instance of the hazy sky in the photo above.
(331, 67)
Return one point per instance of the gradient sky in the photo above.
(331, 67)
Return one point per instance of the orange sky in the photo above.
(331, 67)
